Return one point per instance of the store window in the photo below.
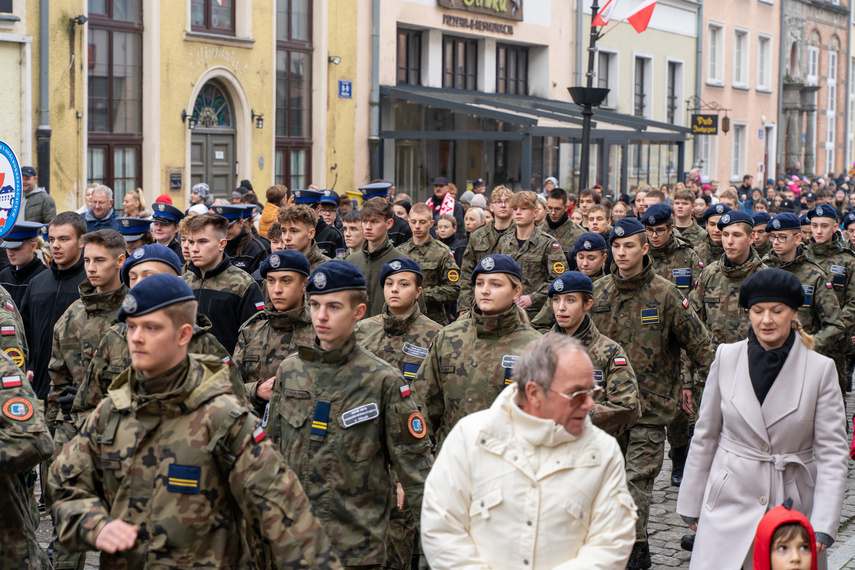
(294, 52)
(512, 70)
(409, 57)
(459, 63)
(213, 16)
(115, 95)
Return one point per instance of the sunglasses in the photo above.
(579, 397)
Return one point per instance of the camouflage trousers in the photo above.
(645, 449)
(400, 539)
(680, 430)
(62, 558)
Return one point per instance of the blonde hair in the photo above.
(808, 339)
(140, 198)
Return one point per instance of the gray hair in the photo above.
(539, 360)
(478, 211)
(101, 189)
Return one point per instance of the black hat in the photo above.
(626, 227)
(656, 215)
(399, 265)
(28, 171)
(497, 263)
(787, 206)
(440, 181)
(330, 197)
(714, 210)
(166, 213)
(479, 182)
(589, 241)
(150, 252)
(21, 232)
(761, 218)
(784, 221)
(154, 293)
(772, 286)
(240, 192)
(810, 197)
(822, 212)
(285, 260)
(735, 217)
(334, 276)
(133, 229)
(246, 184)
(231, 212)
(571, 282)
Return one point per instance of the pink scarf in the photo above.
(447, 206)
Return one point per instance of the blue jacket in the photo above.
(108, 222)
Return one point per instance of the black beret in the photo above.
(333, 276)
(285, 260)
(154, 293)
(714, 210)
(772, 286)
(656, 215)
(761, 218)
(571, 282)
(626, 227)
(399, 265)
(497, 263)
(150, 252)
(787, 206)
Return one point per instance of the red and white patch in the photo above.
(405, 390)
(227, 361)
(11, 381)
(7, 331)
(258, 434)
(10, 306)
(828, 285)
(701, 263)
(685, 302)
(259, 306)
(556, 245)
(620, 361)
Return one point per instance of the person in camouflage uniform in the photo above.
(821, 315)
(172, 420)
(685, 224)
(484, 242)
(298, 232)
(401, 336)
(538, 254)
(558, 223)
(652, 321)
(471, 359)
(848, 227)
(25, 442)
(710, 249)
(13, 340)
(346, 416)
(572, 296)
(762, 243)
(806, 231)
(440, 274)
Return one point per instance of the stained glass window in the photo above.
(212, 107)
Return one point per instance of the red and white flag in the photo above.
(604, 15)
(640, 18)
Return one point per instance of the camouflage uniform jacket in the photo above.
(482, 242)
(179, 456)
(652, 321)
(677, 262)
(13, 340)
(708, 251)
(469, 364)
(764, 249)
(545, 318)
(694, 234)
(716, 300)
(345, 416)
(440, 275)
(113, 357)
(838, 262)
(76, 336)
(265, 341)
(402, 341)
(821, 315)
(566, 232)
(24, 442)
(370, 263)
(541, 260)
(315, 257)
(618, 409)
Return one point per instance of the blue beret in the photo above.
(333, 276)
(399, 265)
(375, 190)
(626, 227)
(784, 221)
(21, 232)
(714, 210)
(330, 197)
(133, 229)
(589, 241)
(571, 282)
(307, 196)
(848, 219)
(761, 218)
(150, 252)
(656, 215)
(285, 260)
(153, 293)
(232, 212)
(497, 263)
(803, 219)
(735, 217)
(822, 212)
(787, 206)
(166, 213)
(772, 286)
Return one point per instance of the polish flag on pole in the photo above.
(640, 18)
(604, 15)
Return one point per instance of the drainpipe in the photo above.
(781, 130)
(580, 27)
(699, 70)
(43, 131)
(374, 133)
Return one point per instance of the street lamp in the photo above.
(189, 119)
(259, 119)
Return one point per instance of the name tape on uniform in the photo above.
(360, 414)
(415, 351)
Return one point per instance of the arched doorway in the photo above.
(212, 144)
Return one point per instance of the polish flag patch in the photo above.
(685, 302)
(556, 245)
(701, 263)
(258, 434)
(7, 331)
(620, 361)
(227, 361)
(405, 390)
(10, 306)
(829, 286)
(11, 381)
(259, 306)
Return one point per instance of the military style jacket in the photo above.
(482, 242)
(13, 339)
(113, 357)
(618, 409)
(838, 262)
(345, 415)
(440, 275)
(821, 315)
(694, 234)
(24, 442)
(764, 249)
(677, 262)
(566, 231)
(206, 465)
(76, 337)
(708, 251)
(649, 317)
(469, 364)
(402, 341)
(541, 260)
(544, 320)
(228, 296)
(246, 252)
(370, 263)
(315, 257)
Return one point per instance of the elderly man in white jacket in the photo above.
(531, 482)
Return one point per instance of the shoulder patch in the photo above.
(18, 409)
(184, 479)
(685, 302)
(7, 331)
(259, 306)
(258, 434)
(453, 275)
(16, 355)
(11, 381)
(701, 263)
(828, 286)
(556, 245)
(558, 267)
(620, 361)
(405, 390)
(10, 306)
(649, 316)
(416, 425)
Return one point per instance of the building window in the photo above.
(641, 86)
(812, 76)
(715, 57)
(409, 57)
(459, 63)
(708, 157)
(764, 63)
(674, 93)
(512, 70)
(740, 58)
(737, 160)
(213, 16)
(850, 135)
(607, 78)
(114, 106)
(831, 113)
(5, 6)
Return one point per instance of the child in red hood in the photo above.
(784, 541)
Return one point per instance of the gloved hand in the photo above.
(67, 399)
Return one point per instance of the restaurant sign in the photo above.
(508, 9)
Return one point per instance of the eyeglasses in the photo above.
(501, 202)
(657, 231)
(579, 397)
(781, 237)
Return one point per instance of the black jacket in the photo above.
(15, 281)
(246, 252)
(175, 246)
(330, 241)
(400, 232)
(47, 297)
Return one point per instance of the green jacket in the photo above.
(370, 263)
(566, 232)
(677, 262)
(694, 234)
(440, 275)
(541, 260)
(482, 242)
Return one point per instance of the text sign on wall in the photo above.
(704, 124)
(345, 89)
(508, 9)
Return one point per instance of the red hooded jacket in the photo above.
(768, 524)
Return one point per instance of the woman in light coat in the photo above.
(771, 427)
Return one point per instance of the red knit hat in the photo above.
(165, 198)
(778, 516)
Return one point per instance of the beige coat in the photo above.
(512, 491)
(746, 459)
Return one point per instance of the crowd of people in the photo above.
(484, 380)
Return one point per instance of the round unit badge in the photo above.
(129, 305)
(453, 275)
(320, 280)
(719, 208)
(11, 186)
(20, 409)
(558, 285)
(776, 224)
(274, 261)
(138, 253)
(416, 425)
(395, 265)
(587, 245)
(819, 210)
(725, 219)
(16, 355)
(488, 264)
(619, 231)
